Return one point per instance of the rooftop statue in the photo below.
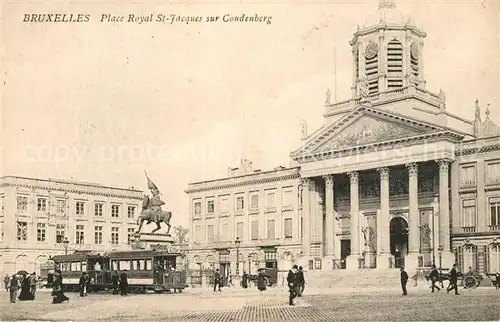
(151, 210)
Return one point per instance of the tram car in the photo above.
(146, 270)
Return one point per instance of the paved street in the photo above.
(251, 305)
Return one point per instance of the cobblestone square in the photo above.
(251, 305)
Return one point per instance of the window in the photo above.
(80, 208)
(80, 230)
(469, 213)
(98, 209)
(287, 198)
(197, 208)
(210, 233)
(493, 173)
(223, 204)
(60, 233)
(240, 203)
(254, 201)
(270, 200)
(469, 259)
(22, 231)
(22, 203)
(468, 175)
(130, 235)
(239, 230)
(40, 231)
(288, 228)
(114, 235)
(271, 229)
(495, 212)
(270, 256)
(254, 230)
(131, 211)
(494, 265)
(197, 234)
(41, 204)
(98, 235)
(210, 207)
(60, 205)
(225, 231)
(115, 211)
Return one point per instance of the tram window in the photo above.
(148, 264)
(73, 267)
(84, 266)
(124, 265)
(65, 267)
(114, 265)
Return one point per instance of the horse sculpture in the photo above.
(149, 215)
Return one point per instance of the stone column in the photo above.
(306, 214)
(411, 261)
(352, 259)
(384, 250)
(329, 223)
(448, 259)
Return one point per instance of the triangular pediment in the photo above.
(362, 127)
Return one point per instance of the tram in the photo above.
(146, 270)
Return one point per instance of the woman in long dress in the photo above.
(13, 286)
(261, 281)
(26, 294)
(57, 289)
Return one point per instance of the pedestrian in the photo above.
(293, 280)
(261, 281)
(124, 283)
(244, 280)
(33, 283)
(13, 286)
(301, 282)
(58, 295)
(434, 276)
(25, 294)
(453, 280)
(404, 280)
(114, 282)
(217, 280)
(6, 281)
(497, 281)
(82, 284)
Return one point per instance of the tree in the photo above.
(181, 234)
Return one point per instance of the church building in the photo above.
(393, 178)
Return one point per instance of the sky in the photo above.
(103, 101)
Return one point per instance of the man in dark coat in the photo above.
(244, 280)
(404, 280)
(217, 280)
(434, 276)
(453, 280)
(82, 284)
(123, 283)
(293, 284)
(301, 281)
(114, 282)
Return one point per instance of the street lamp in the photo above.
(237, 243)
(440, 252)
(66, 242)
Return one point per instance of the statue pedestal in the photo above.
(370, 258)
(147, 241)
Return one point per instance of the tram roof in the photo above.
(136, 254)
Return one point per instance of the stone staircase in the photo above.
(362, 278)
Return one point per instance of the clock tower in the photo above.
(387, 53)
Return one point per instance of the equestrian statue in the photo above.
(151, 210)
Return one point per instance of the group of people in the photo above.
(27, 285)
(434, 278)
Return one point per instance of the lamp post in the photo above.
(440, 252)
(66, 243)
(237, 243)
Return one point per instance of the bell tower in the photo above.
(387, 53)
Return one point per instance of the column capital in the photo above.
(412, 169)
(384, 173)
(444, 164)
(354, 176)
(305, 182)
(328, 179)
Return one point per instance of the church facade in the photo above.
(393, 178)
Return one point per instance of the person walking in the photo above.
(33, 283)
(301, 281)
(434, 276)
(114, 281)
(244, 280)
(453, 280)
(6, 281)
(217, 280)
(82, 284)
(123, 283)
(261, 281)
(13, 286)
(58, 295)
(25, 294)
(293, 284)
(404, 280)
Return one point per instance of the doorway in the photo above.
(399, 240)
(345, 250)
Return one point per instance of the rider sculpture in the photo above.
(151, 209)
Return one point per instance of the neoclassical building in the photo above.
(44, 217)
(392, 178)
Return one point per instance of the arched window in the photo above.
(469, 258)
(494, 258)
(40, 260)
(210, 261)
(394, 64)
(21, 263)
(414, 59)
